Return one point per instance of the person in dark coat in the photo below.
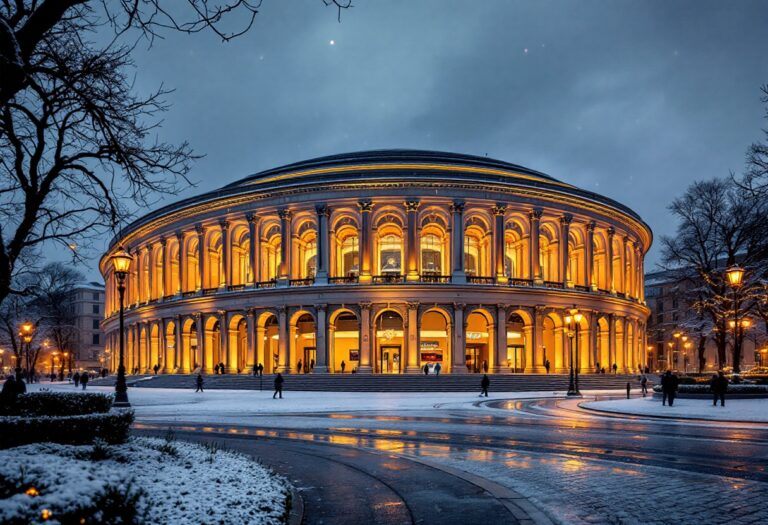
(216, 369)
(9, 392)
(669, 384)
(718, 386)
(76, 379)
(156, 368)
(484, 384)
(84, 380)
(255, 370)
(278, 385)
(615, 368)
(438, 367)
(546, 365)
(222, 369)
(426, 370)
(261, 370)
(199, 382)
(343, 366)
(644, 385)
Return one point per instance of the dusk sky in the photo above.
(634, 100)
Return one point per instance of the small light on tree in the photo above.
(32, 491)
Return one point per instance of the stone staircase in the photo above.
(384, 383)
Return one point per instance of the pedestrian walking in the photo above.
(484, 384)
(221, 368)
(719, 386)
(84, 380)
(199, 382)
(615, 368)
(255, 370)
(261, 370)
(597, 368)
(437, 369)
(343, 366)
(426, 370)
(278, 385)
(311, 365)
(156, 368)
(629, 387)
(76, 379)
(669, 383)
(644, 385)
(216, 369)
(546, 365)
(298, 367)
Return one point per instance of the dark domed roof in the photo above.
(394, 159)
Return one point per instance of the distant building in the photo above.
(669, 310)
(87, 302)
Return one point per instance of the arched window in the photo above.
(390, 250)
(476, 261)
(431, 254)
(270, 253)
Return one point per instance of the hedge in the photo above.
(705, 389)
(112, 427)
(58, 404)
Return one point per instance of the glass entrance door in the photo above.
(310, 354)
(390, 359)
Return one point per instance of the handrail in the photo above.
(388, 278)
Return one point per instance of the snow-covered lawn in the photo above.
(747, 410)
(172, 481)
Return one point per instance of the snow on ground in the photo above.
(746, 410)
(183, 483)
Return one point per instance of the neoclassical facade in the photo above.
(382, 262)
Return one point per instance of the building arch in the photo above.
(213, 261)
(212, 346)
(434, 338)
(345, 250)
(477, 246)
(268, 340)
(237, 344)
(519, 338)
(240, 253)
(479, 337)
(389, 339)
(344, 340)
(169, 361)
(389, 244)
(271, 241)
(303, 340)
(192, 280)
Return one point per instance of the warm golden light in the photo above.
(121, 261)
(735, 275)
(677, 335)
(32, 491)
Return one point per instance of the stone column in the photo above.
(162, 348)
(411, 246)
(413, 341)
(283, 343)
(323, 245)
(458, 274)
(181, 261)
(365, 242)
(200, 256)
(609, 265)
(225, 255)
(150, 273)
(163, 268)
(534, 255)
(178, 346)
(321, 339)
(565, 229)
(250, 340)
(501, 340)
(365, 338)
(589, 257)
(459, 365)
(253, 251)
(139, 279)
(283, 273)
(534, 362)
(641, 276)
(611, 344)
(198, 359)
(498, 243)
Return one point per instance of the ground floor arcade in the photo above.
(385, 339)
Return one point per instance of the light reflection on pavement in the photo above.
(577, 466)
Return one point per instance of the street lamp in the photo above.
(573, 319)
(53, 364)
(121, 262)
(64, 358)
(26, 332)
(734, 276)
(687, 346)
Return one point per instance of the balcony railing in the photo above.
(347, 279)
(388, 278)
(553, 284)
(235, 287)
(301, 282)
(210, 291)
(477, 279)
(434, 278)
(520, 282)
(189, 294)
(265, 284)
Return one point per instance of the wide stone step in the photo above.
(379, 383)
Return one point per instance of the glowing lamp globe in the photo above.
(734, 274)
(121, 262)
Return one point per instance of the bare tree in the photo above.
(720, 223)
(756, 177)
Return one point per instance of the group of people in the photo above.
(670, 383)
(435, 369)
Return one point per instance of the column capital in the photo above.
(498, 209)
(459, 306)
(251, 217)
(457, 207)
(285, 214)
(536, 213)
(413, 305)
(321, 307)
(365, 205)
(224, 225)
(179, 236)
(611, 231)
(200, 229)
(591, 225)
(221, 313)
(366, 306)
(412, 206)
(323, 210)
(566, 219)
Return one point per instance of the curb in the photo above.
(608, 413)
(517, 504)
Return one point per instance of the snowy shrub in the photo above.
(705, 389)
(112, 427)
(58, 404)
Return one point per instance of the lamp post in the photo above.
(64, 357)
(573, 319)
(26, 332)
(734, 276)
(677, 335)
(687, 347)
(670, 345)
(121, 262)
(53, 363)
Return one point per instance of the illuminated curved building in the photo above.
(383, 262)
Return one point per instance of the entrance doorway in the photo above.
(310, 354)
(390, 360)
(475, 358)
(515, 358)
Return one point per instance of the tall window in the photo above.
(348, 258)
(431, 254)
(471, 254)
(391, 254)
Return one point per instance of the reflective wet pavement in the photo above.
(575, 466)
